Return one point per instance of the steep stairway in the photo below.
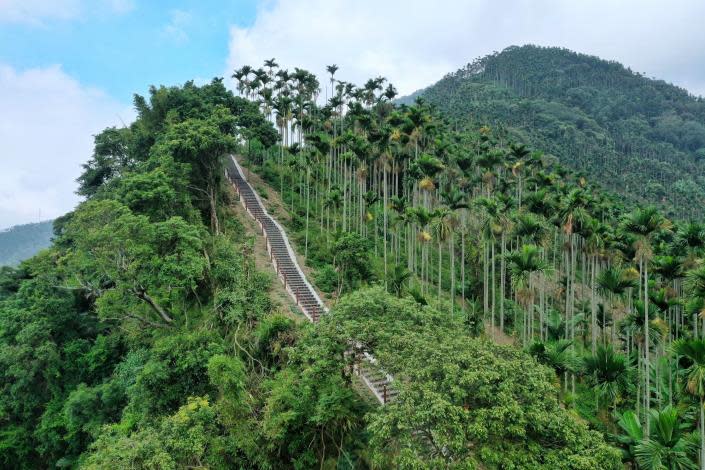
(290, 274)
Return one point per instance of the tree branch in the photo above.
(142, 295)
(143, 320)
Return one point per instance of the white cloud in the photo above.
(47, 124)
(121, 6)
(415, 42)
(37, 12)
(176, 28)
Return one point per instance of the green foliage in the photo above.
(327, 278)
(229, 375)
(178, 367)
(351, 260)
(111, 158)
(158, 189)
(693, 351)
(188, 438)
(273, 336)
(398, 278)
(301, 410)
(608, 373)
(105, 336)
(201, 144)
(465, 400)
(556, 355)
(670, 446)
(145, 337)
(126, 262)
(640, 137)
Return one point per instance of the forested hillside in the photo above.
(640, 137)
(506, 244)
(529, 319)
(23, 241)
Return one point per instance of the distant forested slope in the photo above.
(24, 241)
(640, 137)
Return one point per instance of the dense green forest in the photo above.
(23, 241)
(528, 318)
(640, 137)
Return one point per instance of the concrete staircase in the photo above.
(301, 291)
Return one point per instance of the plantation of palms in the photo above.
(458, 218)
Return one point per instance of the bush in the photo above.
(327, 279)
(177, 368)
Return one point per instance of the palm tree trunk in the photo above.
(451, 251)
(573, 262)
(462, 267)
(593, 306)
(638, 381)
(384, 212)
(701, 427)
(486, 278)
(647, 370)
(440, 261)
(502, 276)
(308, 201)
(494, 297)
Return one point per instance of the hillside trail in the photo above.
(278, 295)
(276, 207)
(288, 269)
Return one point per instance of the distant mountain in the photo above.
(24, 241)
(642, 138)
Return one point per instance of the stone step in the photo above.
(287, 268)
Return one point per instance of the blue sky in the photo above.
(69, 68)
(124, 51)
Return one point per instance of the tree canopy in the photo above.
(640, 137)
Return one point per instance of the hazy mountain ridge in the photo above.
(20, 242)
(640, 137)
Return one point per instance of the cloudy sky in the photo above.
(68, 68)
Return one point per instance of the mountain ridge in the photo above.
(23, 241)
(597, 116)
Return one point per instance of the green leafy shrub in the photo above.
(327, 278)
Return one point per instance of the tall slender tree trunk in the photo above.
(440, 261)
(494, 293)
(593, 306)
(384, 212)
(308, 203)
(451, 249)
(502, 276)
(638, 381)
(701, 427)
(486, 278)
(647, 370)
(462, 267)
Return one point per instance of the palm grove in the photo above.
(146, 338)
(494, 233)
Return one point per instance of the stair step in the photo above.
(287, 268)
